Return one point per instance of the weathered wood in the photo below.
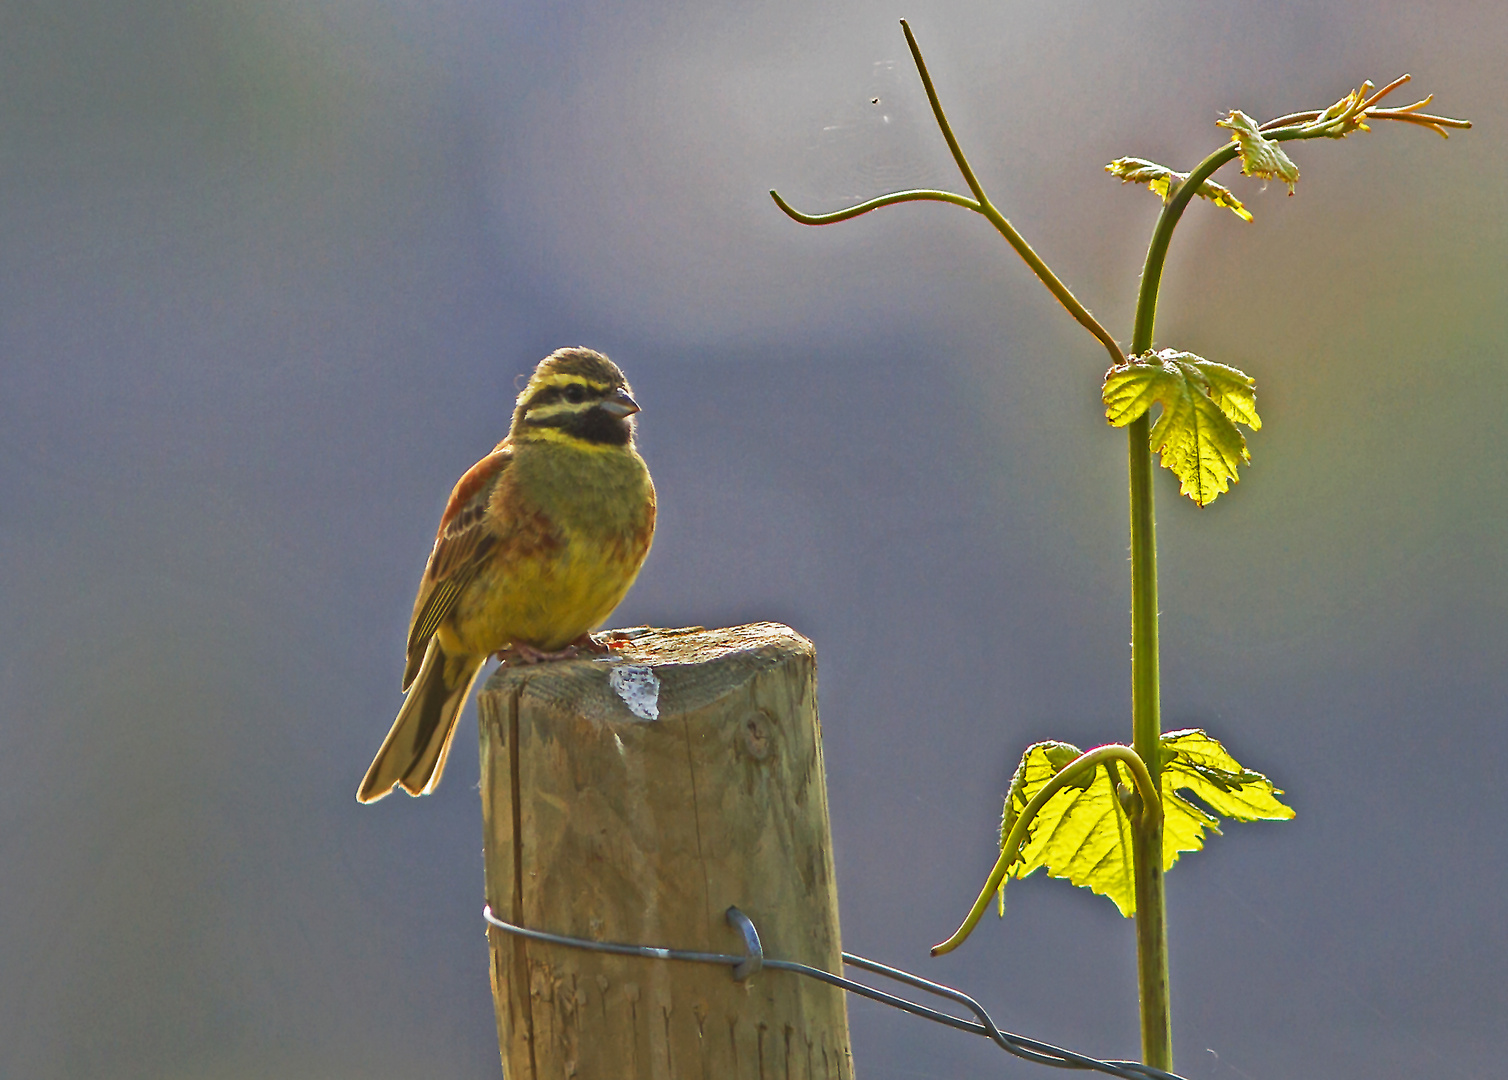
(604, 825)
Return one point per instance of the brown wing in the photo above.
(463, 541)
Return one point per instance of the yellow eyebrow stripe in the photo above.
(565, 379)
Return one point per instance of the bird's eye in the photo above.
(575, 393)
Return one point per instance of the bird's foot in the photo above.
(520, 654)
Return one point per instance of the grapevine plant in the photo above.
(1115, 818)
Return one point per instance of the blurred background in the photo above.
(269, 271)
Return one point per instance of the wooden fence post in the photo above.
(608, 825)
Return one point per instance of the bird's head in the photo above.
(575, 396)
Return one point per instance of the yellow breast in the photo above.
(576, 526)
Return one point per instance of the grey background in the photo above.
(268, 272)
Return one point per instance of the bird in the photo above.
(539, 542)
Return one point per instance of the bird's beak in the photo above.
(620, 405)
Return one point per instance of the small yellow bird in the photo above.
(539, 543)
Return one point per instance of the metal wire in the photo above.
(755, 960)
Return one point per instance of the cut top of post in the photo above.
(691, 667)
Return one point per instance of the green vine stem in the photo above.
(1087, 762)
(1146, 734)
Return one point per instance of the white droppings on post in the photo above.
(639, 689)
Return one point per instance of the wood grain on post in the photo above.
(607, 825)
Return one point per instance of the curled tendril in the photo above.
(980, 204)
(1010, 846)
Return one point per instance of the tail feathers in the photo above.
(414, 752)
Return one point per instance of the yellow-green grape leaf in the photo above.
(1201, 403)
(1163, 180)
(1195, 762)
(1260, 156)
(1133, 170)
(1082, 833)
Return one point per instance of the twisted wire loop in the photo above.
(754, 960)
